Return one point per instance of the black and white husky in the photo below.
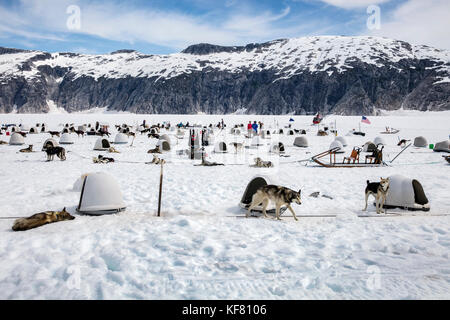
(379, 190)
(279, 195)
(59, 151)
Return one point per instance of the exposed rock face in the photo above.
(343, 75)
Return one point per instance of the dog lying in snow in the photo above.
(156, 160)
(40, 219)
(102, 159)
(113, 150)
(156, 150)
(27, 150)
(259, 163)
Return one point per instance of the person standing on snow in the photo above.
(249, 128)
(255, 127)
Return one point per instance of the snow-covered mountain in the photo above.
(345, 75)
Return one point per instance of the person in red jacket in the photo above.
(249, 128)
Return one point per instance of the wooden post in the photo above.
(160, 190)
(192, 143)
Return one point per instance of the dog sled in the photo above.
(353, 161)
(390, 131)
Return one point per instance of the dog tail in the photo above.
(368, 181)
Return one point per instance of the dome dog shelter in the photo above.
(121, 138)
(16, 139)
(102, 145)
(100, 195)
(406, 193)
(66, 138)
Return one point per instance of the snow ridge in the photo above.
(288, 57)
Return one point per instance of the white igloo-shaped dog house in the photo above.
(16, 139)
(406, 193)
(66, 138)
(379, 141)
(165, 137)
(369, 146)
(221, 147)
(100, 195)
(301, 142)
(277, 147)
(102, 144)
(337, 144)
(121, 138)
(255, 183)
(420, 142)
(443, 146)
(341, 140)
(164, 145)
(33, 130)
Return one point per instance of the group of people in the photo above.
(252, 128)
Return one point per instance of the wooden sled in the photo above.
(392, 131)
(352, 161)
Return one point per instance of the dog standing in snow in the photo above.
(379, 190)
(279, 195)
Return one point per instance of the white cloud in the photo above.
(418, 22)
(122, 22)
(351, 4)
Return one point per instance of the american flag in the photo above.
(365, 120)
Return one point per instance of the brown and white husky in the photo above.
(40, 219)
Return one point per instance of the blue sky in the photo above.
(168, 26)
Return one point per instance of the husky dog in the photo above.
(40, 219)
(102, 159)
(102, 133)
(54, 133)
(59, 151)
(156, 150)
(263, 164)
(379, 190)
(279, 195)
(79, 133)
(237, 146)
(3, 142)
(153, 135)
(157, 160)
(402, 142)
(113, 150)
(207, 163)
(27, 150)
